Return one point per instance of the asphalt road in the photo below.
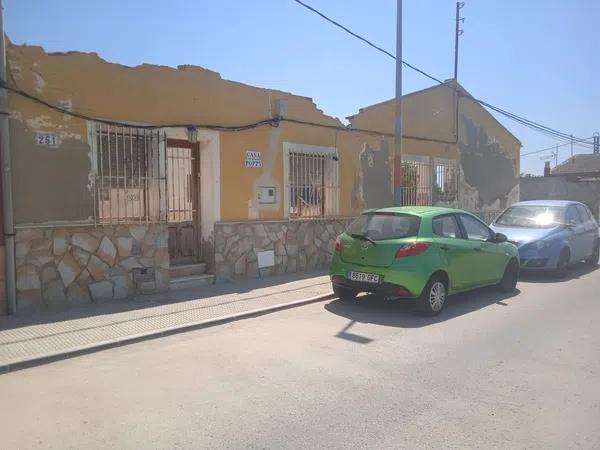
(493, 371)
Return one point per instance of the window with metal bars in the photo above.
(313, 185)
(416, 183)
(446, 180)
(128, 174)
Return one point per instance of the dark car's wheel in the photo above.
(595, 258)
(344, 293)
(562, 267)
(508, 283)
(433, 298)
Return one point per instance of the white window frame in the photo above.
(331, 208)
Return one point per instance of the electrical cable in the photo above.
(275, 121)
(548, 148)
(530, 123)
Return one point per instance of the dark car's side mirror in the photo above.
(571, 224)
(499, 238)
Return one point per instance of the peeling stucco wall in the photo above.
(84, 82)
(51, 183)
(487, 169)
(486, 153)
(376, 176)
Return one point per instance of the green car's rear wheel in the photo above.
(344, 293)
(433, 298)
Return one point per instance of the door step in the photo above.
(187, 270)
(192, 281)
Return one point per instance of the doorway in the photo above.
(183, 170)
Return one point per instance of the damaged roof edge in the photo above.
(182, 67)
(430, 88)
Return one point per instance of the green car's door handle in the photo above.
(477, 249)
(444, 247)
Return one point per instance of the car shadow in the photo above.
(537, 276)
(372, 309)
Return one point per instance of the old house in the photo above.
(455, 152)
(141, 179)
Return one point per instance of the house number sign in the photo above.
(47, 139)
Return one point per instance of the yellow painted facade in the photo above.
(147, 94)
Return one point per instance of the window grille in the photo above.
(446, 180)
(181, 184)
(416, 183)
(129, 174)
(426, 183)
(313, 185)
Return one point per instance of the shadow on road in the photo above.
(401, 313)
(575, 272)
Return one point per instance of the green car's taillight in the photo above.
(338, 244)
(412, 249)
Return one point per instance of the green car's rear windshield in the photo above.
(531, 216)
(384, 226)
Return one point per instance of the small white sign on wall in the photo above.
(47, 139)
(253, 159)
(265, 259)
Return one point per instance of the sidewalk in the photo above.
(42, 337)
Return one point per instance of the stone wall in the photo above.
(57, 267)
(298, 246)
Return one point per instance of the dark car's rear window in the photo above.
(383, 226)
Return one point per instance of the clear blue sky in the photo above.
(537, 58)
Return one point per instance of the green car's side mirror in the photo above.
(499, 238)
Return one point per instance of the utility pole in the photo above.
(457, 33)
(571, 146)
(398, 114)
(7, 197)
(556, 156)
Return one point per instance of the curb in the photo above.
(46, 358)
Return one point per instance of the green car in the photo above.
(421, 252)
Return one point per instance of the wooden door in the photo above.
(182, 201)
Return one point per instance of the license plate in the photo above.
(364, 277)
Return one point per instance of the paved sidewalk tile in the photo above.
(32, 336)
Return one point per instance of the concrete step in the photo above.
(187, 270)
(192, 281)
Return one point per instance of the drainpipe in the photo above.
(7, 185)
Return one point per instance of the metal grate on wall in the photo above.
(181, 195)
(425, 184)
(314, 185)
(130, 174)
(446, 181)
(416, 183)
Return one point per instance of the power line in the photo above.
(128, 124)
(365, 40)
(527, 122)
(275, 121)
(547, 148)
